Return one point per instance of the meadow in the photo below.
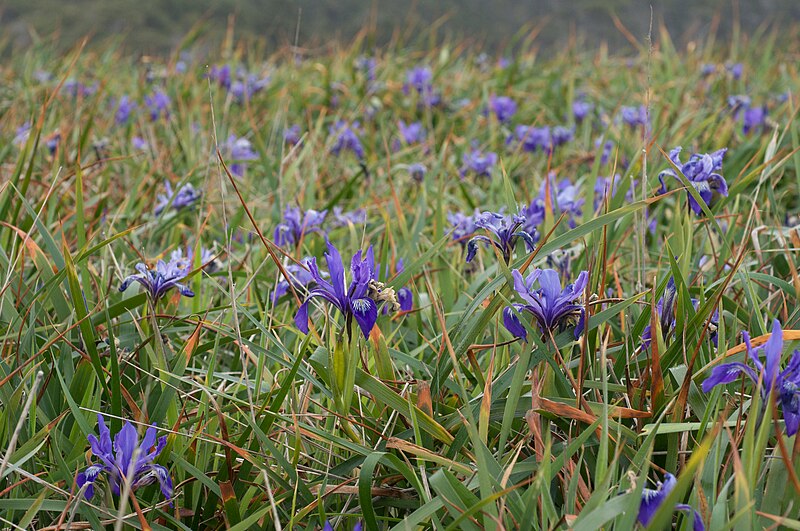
(420, 287)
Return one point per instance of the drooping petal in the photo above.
(512, 323)
(727, 373)
(88, 476)
(773, 349)
(652, 499)
(301, 317)
(406, 299)
(697, 521)
(366, 313)
(336, 270)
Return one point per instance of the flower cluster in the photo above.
(478, 163)
(346, 138)
(420, 80)
(546, 139)
(117, 462)
(158, 104)
(239, 150)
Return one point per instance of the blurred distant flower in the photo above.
(139, 143)
(532, 138)
(158, 104)
(22, 134)
(366, 65)
(342, 218)
(125, 107)
(239, 150)
(329, 527)
(52, 142)
(581, 109)
(354, 301)
(738, 102)
(413, 133)
(184, 197)
(117, 466)
(653, 499)
(505, 231)
(185, 258)
(503, 63)
(463, 225)
(296, 224)
(420, 80)
(478, 163)
(608, 147)
(292, 135)
(346, 138)
(786, 383)
(247, 86)
(42, 76)
(700, 171)
(561, 135)
(754, 118)
(417, 171)
(552, 307)
(564, 198)
(735, 70)
(161, 279)
(77, 89)
(221, 74)
(503, 107)
(707, 69)
(634, 116)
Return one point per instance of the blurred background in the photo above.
(159, 26)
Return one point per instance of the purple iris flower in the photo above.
(222, 75)
(184, 197)
(292, 135)
(299, 276)
(185, 258)
(116, 461)
(354, 301)
(159, 281)
(506, 231)
(125, 107)
(564, 196)
(532, 138)
(346, 138)
(296, 224)
(754, 118)
(22, 134)
(404, 296)
(561, 135)
(347, 219)
(247, 86)
(52, 142)
(634, 116)
(738, 102)
(581, 109)
(785, 383)
(417, 171)
(700, 170)
(707, 69)
(77, 89)
(463, 225)
(735, 70)
(413, 133)
(420, 79)
(478, 162)
(139, 143)
(665, 307)
(239, 150)
(552, 307)
(652, 500)
(367, 65)
(503, 107)
(158, 103)
(608, 147)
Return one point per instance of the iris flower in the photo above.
(183, 197)
(356, 301)
(552, 307)
(296, 224)
(346, 138)
(652, 500)
(506, 231)
(159, 281)
(700, 170)
(478, 162)
(239, 150)
(503, 107)
(116, 461)
(769, 378)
